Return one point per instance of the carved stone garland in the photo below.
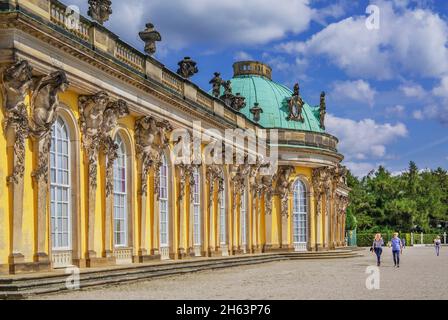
(151, 138)
(16, 82)
(214, 174)
(44, 107)
(98, 118)
(114, 111)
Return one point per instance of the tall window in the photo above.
(222, 216)
(163, 192)
(120, 196)
(197, 208)
(300, 213)
(60, 187)
(243, 220)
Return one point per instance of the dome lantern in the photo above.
(252, 68)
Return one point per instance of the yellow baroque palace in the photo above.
(87, 175)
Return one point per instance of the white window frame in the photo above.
(243, 218)
(300, 213)
(164, 219)
(222, 217)
(120, 197)
(197, 240)
(57, 186)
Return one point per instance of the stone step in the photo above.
(19, 287)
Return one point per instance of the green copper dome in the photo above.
(252, 81)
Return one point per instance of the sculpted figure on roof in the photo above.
(296, 105)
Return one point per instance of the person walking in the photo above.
(377, 247)
(437, 244)
(403, 242)
(397, 249)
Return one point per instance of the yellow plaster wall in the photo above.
(29, 215)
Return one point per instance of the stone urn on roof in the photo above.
(150, 36)
(100, 10)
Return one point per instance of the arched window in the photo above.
(163, 207)
(300, 210)
(60, 193)
(197, 209)
(120, 217)
(222, 217)
(243, 220)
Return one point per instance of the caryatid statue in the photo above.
(187, 68)
(150, 36)
(114, 111)
(91, 110)
(45, 101)
(44, 106)
(100, 10)
(216, 82)
(146, 131)
(17, 81)
(322, 110)
(284, 186)
(296, 105)
(152, 137)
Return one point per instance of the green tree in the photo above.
(382, 201)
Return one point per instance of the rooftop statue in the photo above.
(150, 36)
(100, 10)
(256, 111)
(229, 98)
(238, 102)
(187, 68)
(216, 82)
(322, 110)
(296, 105)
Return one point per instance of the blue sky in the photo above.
(387, 86)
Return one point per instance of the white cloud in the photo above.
(358, 90)
(433, 112)
(418, 115)
(409, 42)
(364, 139)
(334, 11)
(360, 169)
(292, 70)
(442, 89)
(217, 23)
(242, 55)
(413, 91)
(397, 110)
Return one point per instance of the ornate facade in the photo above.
(88, 176)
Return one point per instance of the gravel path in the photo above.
(422, 276)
